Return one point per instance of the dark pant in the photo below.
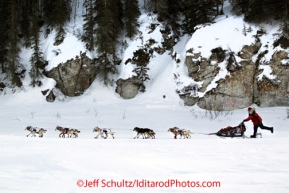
(261, 126)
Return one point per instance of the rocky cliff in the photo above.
(242, 86)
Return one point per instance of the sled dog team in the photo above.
(105, 133)
(146, 133)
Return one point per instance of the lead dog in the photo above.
(34, 131)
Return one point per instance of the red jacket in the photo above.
(255, 118)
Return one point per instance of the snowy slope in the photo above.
(53, 164)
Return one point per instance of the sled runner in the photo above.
(258, 135)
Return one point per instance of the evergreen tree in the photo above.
(141, 72)
(153, 5)
(219, 10)
(197, 12)
(56, 14)
(255, 12)
(60, 35)
(206, 12)
(189, 21)
(121, 12)
(25, 22)
(258, 11)
(284, 26)
(170, 13)
(13, 44)
(118, 12)
(272, 9)
(89, 25)
(107, 34)
(36, 59)
(240, 6)
(131, 15)
(4, 13)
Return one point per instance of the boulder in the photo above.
(74, 76)
(128, 88)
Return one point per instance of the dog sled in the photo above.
(237, 131)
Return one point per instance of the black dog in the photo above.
(145, 132)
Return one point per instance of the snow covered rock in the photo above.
(248, 51)
(74, 76)
(128, 88)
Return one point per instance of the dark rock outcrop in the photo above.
(73, 76)
(51, 96)
(2, 86)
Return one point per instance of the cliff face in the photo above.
(243, 86)
(269, 93)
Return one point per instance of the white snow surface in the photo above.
(53, 164)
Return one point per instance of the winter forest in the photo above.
(106, 25)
